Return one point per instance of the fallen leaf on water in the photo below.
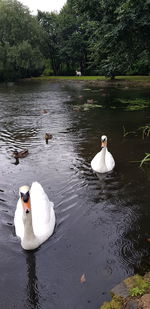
(83, 279)
(148, 239)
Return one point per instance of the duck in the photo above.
(34, 218)
(48, 136)
(20, 154)
(44, 111)
(103, 161)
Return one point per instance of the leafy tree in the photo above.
(20, 42)
(50, 24)
(73, 38)
(120, 44)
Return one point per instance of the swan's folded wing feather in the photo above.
(19, 227)
(42, 209)
(109, 160)
(98, 163)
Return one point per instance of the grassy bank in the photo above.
(144, 79)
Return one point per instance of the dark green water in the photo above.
(102, 222)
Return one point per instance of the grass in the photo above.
(136, 286)
(135, 78)
(146, 159)
(125, 133)
(136, 291)
(145, 131)
(116, 303)
(96, 78)
(139, 286)
(71, 78)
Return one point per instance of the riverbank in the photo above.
(131, 293)
(125, 81)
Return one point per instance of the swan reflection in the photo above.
(32, 282)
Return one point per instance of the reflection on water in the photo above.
(16, 161)
(102, 219)
(32, 282)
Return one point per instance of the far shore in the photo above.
(125, 81)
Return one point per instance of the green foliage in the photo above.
(135, 104)
(116, 303)
(20, 42)
(50, 25)
(145, 131)
(96, 37)
(136, 291)
(48, 71)
(125, 133)
(146, 159)
(140, 286)
(121, 38)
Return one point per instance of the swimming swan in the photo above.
(34, 218)
(103, 161)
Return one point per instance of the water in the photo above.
(102, 222)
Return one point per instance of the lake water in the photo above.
(103, 225)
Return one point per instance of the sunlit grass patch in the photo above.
(82, 78)
(135, 78)
(96, 78)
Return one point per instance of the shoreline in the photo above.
(101, 81)
(132, 293)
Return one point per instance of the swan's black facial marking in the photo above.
(25, 196)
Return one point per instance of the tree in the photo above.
(120, 44)
(73, 39)
(50, 24)
(20, 42)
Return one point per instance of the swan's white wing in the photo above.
(109, 160)
(98, 162)
(43, 217)
(103, 161)
(19, 226)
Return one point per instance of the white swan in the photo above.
(34, 218)
(103, 161)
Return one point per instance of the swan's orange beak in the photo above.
(26, 206)
(104, 144)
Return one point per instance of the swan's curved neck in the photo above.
(103, 153)
(28, 228)
(29, 240)
(103, 150)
